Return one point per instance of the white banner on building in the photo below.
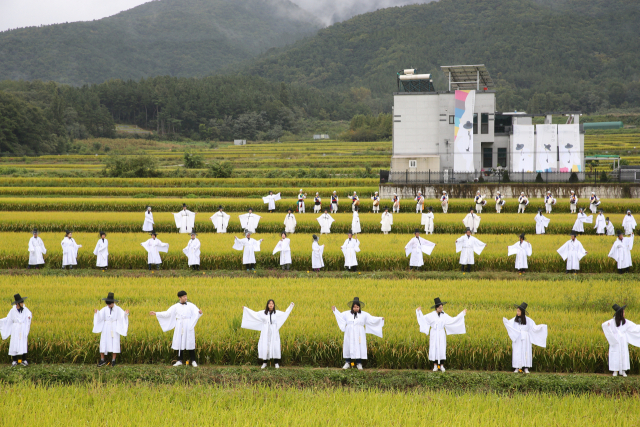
(463, 132)
(546, 148)
(569, 145)
(523, 148)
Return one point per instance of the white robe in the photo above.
(220, 221)
(427, 221)
(316, 255)
(619, 338)
(154, 247)
(548, 203)
(185, 220)
(479, 204)
(444, 201)
(542, 222)
(621, 251)
(284, 247)
(182, 318)
(111, 324)
(609, 230)
(522, 339)
(17, 326)
(600, 224)
(248, 247)
(325, 221)
(467, 245)
(271, 200)
(572, 252)
(36, 250)
(521, 250)
(472, 221)
(387, 221)
(269, 326)
(349, 249)
(594, 204)
(437, 328)
(499, 203)
(582, 219)
(355, 223)
(290, 223)
(573, 206)
(249, 221)
(102, 253)
(69, 251)
(415, 248)
(148, 223)
(192, 251)
(355, 332)
(629, 224)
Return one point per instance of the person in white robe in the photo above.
(600, 223)
(249, 221)
(609, 230)
(270, 200)
(249, 247)
(290, 222)
(573, 202)
(317, 203)
(521, 250)
(325, 220)
(185, 219)
(268, 322)
(582, 219)
(386, 222)
(356, 324)
(192, 251)
(419, 202)
(549, 201)
(416, 247)
(629, 223)
(154, 246)
(480, 202)
(500, 202)
(594, 202)
(355, 201)
(396, 203)
(375, 202)
(111, 322)
(355, 222)
(284, 247)
(467, 245)
(69, 250)
(220, 220)
(349, 248)
(472, 222)
(428, 221)
(36, 250)
(620, 332)
(102, 252)
(317, 250)
(444, 201)
(437, 325)
(542, 222)
(334, 202)
(16, 326)
(301, 197)
(148, 223)
(182, 317)
(572, 252)
(523, 201)
(621, 252)
(524, 333)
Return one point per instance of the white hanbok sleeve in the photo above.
(373, 325)
(266, 199)
(98, 322)
(256, 245)
(513, 333)
(276, 197)
(178, 218)
(357, 248)
(633, 333)
(167, 319)
(459, 244)
(588, 220)
(278, 248)
(409, 248)
(512, 250)
(5, 329)
(455, 325)
(123, 323)
(423, 322)
(538, 333)
(238, 244)
(426, 246)
(162, 247)
(282, 316)
(250, 320)
(196, 315)
(342, 324)
(564, 251)
(478, 246)
(629, 241)
(609, 334)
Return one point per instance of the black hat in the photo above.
(18, 299)
(109, 299)
(102, 232)
(573, 233)
(66, 232)
(289, 210)
(617, 308)
(386, 208)
(184, 205)
(437, 302)
(620, 232)
(430, 208)
(35, 231)
(153, 233)
(246, 231)
(417, 230)
(283, 232)
(250, 209)
(470, 209)
(181, 294)
(355, 301)
(350, 232)
(193, 231)
(522, 307)
(355, 208)
(522, 236)
(219, 207)
(467, 229)
(315, 238)
(539, 210)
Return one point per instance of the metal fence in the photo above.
(494, 176)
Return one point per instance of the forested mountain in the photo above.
(168, 37)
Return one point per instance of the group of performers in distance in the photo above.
(112, 323)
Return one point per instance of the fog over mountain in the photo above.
(331, 11)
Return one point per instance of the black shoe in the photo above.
(149, 266)
(102, 363)
(113, 363)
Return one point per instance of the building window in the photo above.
(475, 123)
(487, 158)
(637, 176)
(500, 123)
(484, 123)
(452, 120)
(413, 163)
(502, 157)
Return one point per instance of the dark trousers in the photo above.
(22, 357)
(465, 267)
(36, 266)
(570, 271)
(286, 266)
(65, 266)
(250, 266)
(278, 361)
(353, 269)
(157, 266)
(192, 355)
(356, 361)
(195, 267)
(624, 270)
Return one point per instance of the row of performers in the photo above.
(112, 323)
(571, 252)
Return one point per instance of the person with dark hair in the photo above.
(36, 250)
(284, 247)
(111, 322)
(416, 247)
(185, 219)
(268, 322)
(620, 333)
(542, 222)
(349, 248)
(270, 200)
(609, 230)
(249, 247)
(572, 252)
(521, 250)
(102, 252)
(467, 245)
(582, 219)
(182, 317)
(472, 221)
(290, 222)
(192, 251)
(524, 332)
(356, 324)
(17, 325)
(621, 252)
(220, 220)
(316, 255)
(325, 220)
(249, 221)
(600, 223)
(437, 325)
(154, 246)
(69, 250)
(148, 223)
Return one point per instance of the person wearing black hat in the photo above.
(111, 322)
(542, 222)
(600, 224)
(628, 223)
(284, 247)
(154, 246)
(317, 203)
(36, 250)
(472, 221)
(582, 219)
(387, 221)
(349, 249)
(268, 322)
(185, 219)
(428, 221)
(69, 250)
(220, 220)
(316, 255)
(356, 324)
(437, 325)
(148, 223)
(325, 220)
(290, 222)
(182, 317)
(249, 221)
(572, 252)
(620, 332)
(355, 222)
(524, 332)
(192, 251)
(102, 252)
(609, 230)
(621, 252)
(521, 250)
(17, 325)
(249, 247)
(271, 200)
(467, 245)
(416, 247)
